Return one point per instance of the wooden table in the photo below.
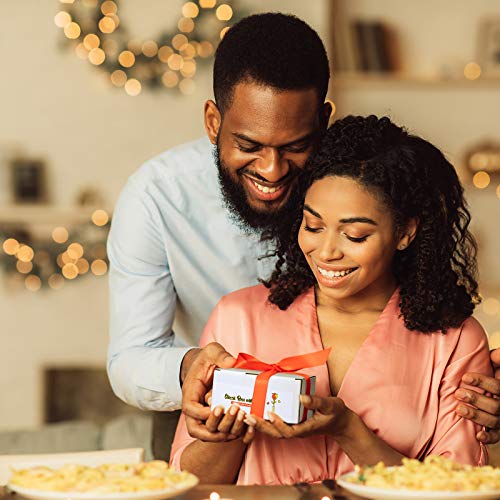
(312, 492)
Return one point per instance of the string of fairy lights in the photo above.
(98, 35)
(67, 255)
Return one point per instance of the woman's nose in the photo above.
(271, 165)
(330, 249)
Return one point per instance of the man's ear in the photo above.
(408, 234)
(326, 113)
(213, 120)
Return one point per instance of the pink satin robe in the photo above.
(401, 383)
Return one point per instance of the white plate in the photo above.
(392, 494)
(140, 495)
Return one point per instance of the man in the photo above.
(187, 227)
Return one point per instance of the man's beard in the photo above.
(235, 199)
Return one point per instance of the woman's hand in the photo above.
(231, 424)
(331, 417)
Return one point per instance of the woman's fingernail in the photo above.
(305, 399)
(270, 416)
(469, 379)
(249, 420)
(461, 394)
(218, 411)
(462, 410)
(241, 416)
(233, 410)
(209, 401)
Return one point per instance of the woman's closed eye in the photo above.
(358, 239)
(311, 229)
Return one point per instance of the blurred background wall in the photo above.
(91, 136)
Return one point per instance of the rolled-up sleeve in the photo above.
(143, 366)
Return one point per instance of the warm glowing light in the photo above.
(70, 271)
(110, 46)
(188, 51)
(66, 1)
(188, 69)
(81, 52)
(186, 25)
(10, 246)
(472, 71)
(75, 251)
(24, 267)
(135, 46)
(72, 31)
(481, 180)
(60, 234)
(150, 48)
(99, 267)
(205, 49)
(332, 104)
(224, 12)
(83, 266)
(175, 62)
(55, 281)
(126, 59)
(498, 191)
(100, 217)
(118, 78)
(107, 25)
(190, 9)
(91, 41)
(214, 495)
(97, 56)
(25, 253)
(491, 306)
(66, 259)
(32, 283)
(223, 31)
(187, 86)
(164, 53)
(59, 260)
(179, 41)
(133, 87)
(478, 161)
(170, 79)
(109, 7)
(207, 4)
(61, 19)
(494, 340)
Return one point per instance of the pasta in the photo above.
(434, 473)
(107, 478)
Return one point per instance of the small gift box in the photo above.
(258, 387)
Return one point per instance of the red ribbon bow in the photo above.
(286, 365)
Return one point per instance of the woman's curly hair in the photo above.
(437, 273)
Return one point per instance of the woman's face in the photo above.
(348, 239)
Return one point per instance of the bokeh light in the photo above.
(99, 267)
(481, 180)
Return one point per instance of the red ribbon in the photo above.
(286, 365)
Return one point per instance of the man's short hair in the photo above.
(272, 49)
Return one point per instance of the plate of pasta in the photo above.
(434, 478)
(153, 480)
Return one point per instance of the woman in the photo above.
(379, 265)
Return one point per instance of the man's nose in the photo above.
(271, 165)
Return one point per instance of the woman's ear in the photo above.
(213, 120)
(409, 234)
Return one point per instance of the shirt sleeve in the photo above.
(143, 366)
(455, 436)
(182, 438)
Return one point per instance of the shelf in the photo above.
(361, 80)
(45, 214)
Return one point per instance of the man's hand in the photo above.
(197, 373)
(483, 409)
(331, 417)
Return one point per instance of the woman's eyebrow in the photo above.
(307, 208)
(364, 220)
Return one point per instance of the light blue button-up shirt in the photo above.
(174, 252)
